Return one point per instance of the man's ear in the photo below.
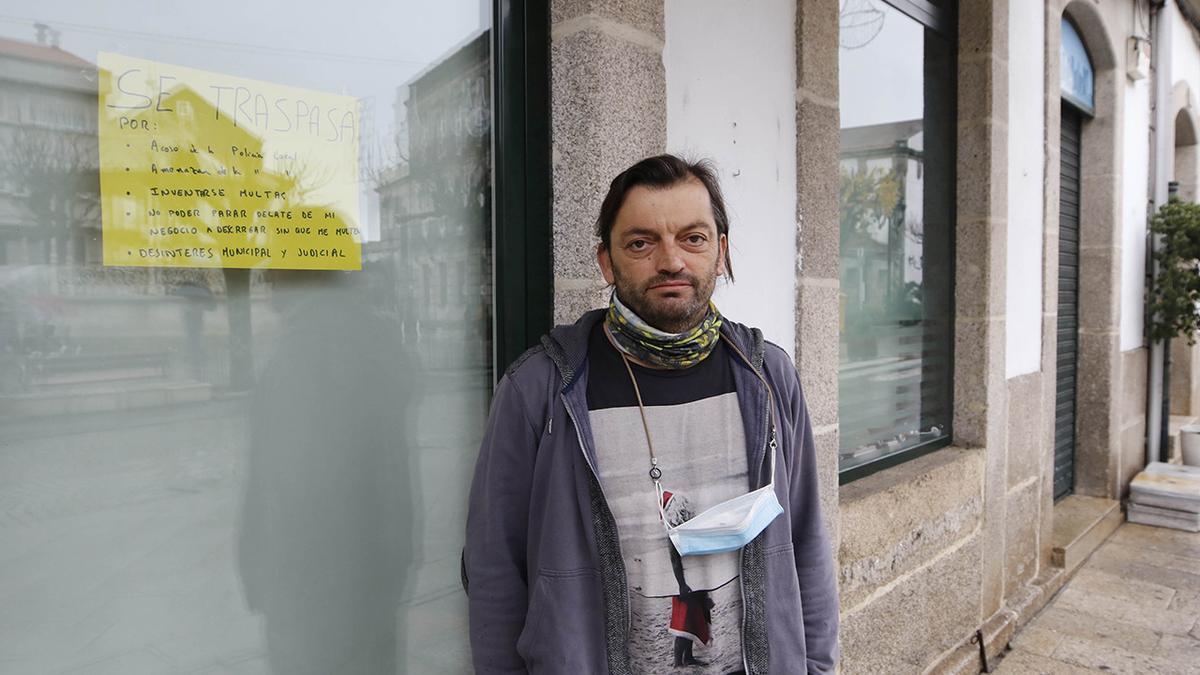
(604, 259)
(722, 252)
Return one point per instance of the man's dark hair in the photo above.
(658, 173)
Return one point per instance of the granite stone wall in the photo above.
(935, 548)
(608, 110)
(818, 235)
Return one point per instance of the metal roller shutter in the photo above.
(1068, 303)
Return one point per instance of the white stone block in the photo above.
(1152, 515)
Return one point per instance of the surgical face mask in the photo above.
(729, 525)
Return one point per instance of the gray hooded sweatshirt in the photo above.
(542, 564)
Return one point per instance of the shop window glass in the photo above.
(251, 467)
(896, 209)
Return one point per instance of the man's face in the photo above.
(665, 254)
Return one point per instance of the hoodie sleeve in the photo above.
(494, 565)
(814, 555)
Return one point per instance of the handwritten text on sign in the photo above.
(199, 169)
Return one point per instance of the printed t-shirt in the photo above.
(679, 604)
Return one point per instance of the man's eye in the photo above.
(637, 245)
(696, 239)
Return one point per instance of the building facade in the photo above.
(966, 240)
(939, 210)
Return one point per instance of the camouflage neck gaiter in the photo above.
(642, 341)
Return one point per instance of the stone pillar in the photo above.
(817, 235)
(609, 109)
(1099, 385)
(1185, 378)
(1050, 205)
(980, 386)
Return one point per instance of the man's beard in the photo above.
(672, 318)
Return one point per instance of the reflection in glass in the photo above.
(896, 202)
(232, 470)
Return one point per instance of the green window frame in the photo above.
(521, 220)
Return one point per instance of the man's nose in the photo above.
(669, 259)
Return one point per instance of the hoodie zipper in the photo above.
(772, 444)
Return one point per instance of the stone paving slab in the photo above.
(1176, 571)
(1185, 544)
(1056, 623)
(1024, 662)
(1133, 607)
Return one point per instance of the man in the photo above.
(613, 447)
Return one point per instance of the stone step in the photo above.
(67, 368)
(1081, 524)
(1167, 486)
(110, 378)
(1159, 517)
(100, 397)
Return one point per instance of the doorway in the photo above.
(1067, 358)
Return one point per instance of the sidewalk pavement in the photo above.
(1133, 607)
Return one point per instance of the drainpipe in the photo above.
(1160, 171)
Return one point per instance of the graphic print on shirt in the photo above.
(686, 610)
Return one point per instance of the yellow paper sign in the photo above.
(199, 169)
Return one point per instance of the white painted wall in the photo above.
(1185, 62)
(1134, 188)
(1026, 172)
(730, 68)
